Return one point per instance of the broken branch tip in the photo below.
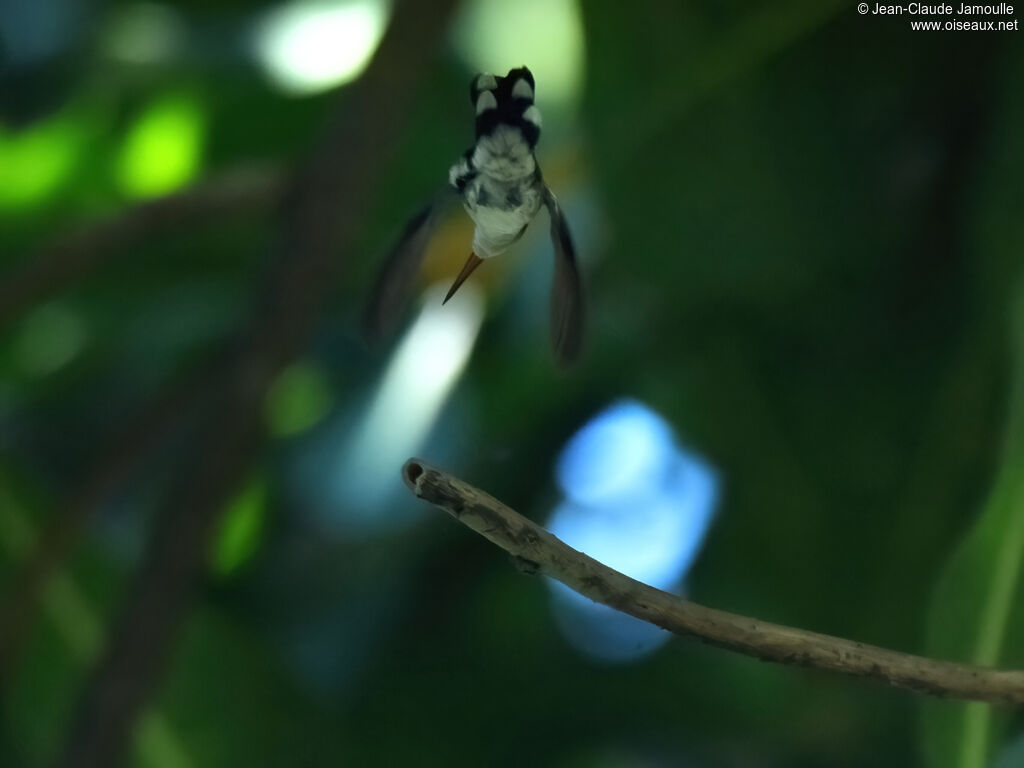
(412, 471)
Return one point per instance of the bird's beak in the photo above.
(472, 263)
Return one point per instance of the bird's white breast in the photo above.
(499, 183)
(500, 211)
(504, 155)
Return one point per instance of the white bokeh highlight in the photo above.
(309, 46)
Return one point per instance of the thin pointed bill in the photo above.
(472, 263)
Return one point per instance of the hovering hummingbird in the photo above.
(502, 189)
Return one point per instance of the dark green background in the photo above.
(805, 229)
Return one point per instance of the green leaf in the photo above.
(241, 529)
(978, 597)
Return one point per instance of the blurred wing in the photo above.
(566, 290)
(397, 274)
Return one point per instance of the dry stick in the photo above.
(92, 245)
(537, 551)
(322, 217)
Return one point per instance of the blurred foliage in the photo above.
(161, 150)
(799, 227)
(241, 529)
(300, 397)
(978, 609)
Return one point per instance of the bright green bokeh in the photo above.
(163, 148)
(35, 162)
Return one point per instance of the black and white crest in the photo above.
(507, 130)
(502, 189)
(506, 101)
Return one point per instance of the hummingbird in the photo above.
(502, 189)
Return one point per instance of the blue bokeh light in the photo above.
(637, 502)
(623, 449)
(601, 632)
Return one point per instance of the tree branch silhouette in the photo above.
(92, 245)
(116, 458)
(321, 217)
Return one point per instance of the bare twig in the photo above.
(88, 247)
(542, 552)
(322, 216)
